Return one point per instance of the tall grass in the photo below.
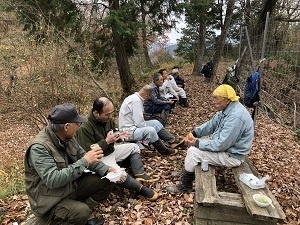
(12, 180)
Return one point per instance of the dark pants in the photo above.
(74, 211)
(152, 109)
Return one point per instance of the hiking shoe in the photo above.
(176, 143)
(95, 221)
(179, 188)
(170, 151)
(145, 178)
(149, 193)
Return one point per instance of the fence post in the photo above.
(261, 60)
(250, 50)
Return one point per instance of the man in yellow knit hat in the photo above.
(224, 140)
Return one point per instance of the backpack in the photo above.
(207, 69)
(251, 91)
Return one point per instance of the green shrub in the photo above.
(12, 181)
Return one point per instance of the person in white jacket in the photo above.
(179, 91)
(131, 119)
(166, 89)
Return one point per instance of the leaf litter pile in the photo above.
(275, 152)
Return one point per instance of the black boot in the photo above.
(164, 116)
(138, 169)
(95, 221)
(184, 102)
(133, 185)
(165, 135)
(162, 149)
(186, 185)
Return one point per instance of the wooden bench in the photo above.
(215, 208)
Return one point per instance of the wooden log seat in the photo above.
(215, 208)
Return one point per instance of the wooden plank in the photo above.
(205, 186)
(231, 211)
(269, 213)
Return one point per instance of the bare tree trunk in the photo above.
(224, 32)
(268, 6)
(199, 58)
(144, 40)
(126, 77)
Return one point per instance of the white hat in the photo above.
(174, 71)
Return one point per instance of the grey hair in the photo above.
(56, 127)
(156, 76)
(147, 89)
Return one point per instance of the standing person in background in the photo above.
(131, 119)
(55, 178)
(179, 90)
(230, 138)
(100, 129)
(157, 103)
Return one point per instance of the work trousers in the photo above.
(152, 109)
(121, 152)
(72, 209)
(147, 133)
(194, 156)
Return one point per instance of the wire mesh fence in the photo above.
(277, 42)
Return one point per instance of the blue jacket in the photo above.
(230, 130)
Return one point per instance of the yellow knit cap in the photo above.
(226, 91)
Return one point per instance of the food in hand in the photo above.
(94, 146)
(190, 136)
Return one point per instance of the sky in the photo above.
(173, 35)
(176, 32)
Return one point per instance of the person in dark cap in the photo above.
(62, 180)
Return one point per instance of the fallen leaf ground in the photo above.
(275, 152)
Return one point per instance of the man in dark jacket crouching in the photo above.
(62, 180)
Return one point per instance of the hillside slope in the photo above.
(275, 152)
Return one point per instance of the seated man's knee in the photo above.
(79, 213)
(135, 148)
(167, 107)
(151, 130)
(192, 150)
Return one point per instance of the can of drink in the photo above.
(94, 146)
(204, 164)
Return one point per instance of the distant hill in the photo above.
(171, 48)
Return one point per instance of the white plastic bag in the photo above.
(252, 181)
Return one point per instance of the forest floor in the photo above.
(275, 152)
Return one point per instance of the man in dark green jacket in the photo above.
(101, 129)
(56, 172)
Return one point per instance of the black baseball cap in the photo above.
(65, 113)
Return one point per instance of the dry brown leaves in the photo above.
(275, 152)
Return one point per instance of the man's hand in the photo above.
(94, 155)
(191, 141)
(170, 102)
(111, 169)
(112, 137)
(125, 135)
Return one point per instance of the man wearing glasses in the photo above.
(224, 140)
(56, 181)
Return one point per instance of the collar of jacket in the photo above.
(58, 142)
(93, 119)
(229, 108)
